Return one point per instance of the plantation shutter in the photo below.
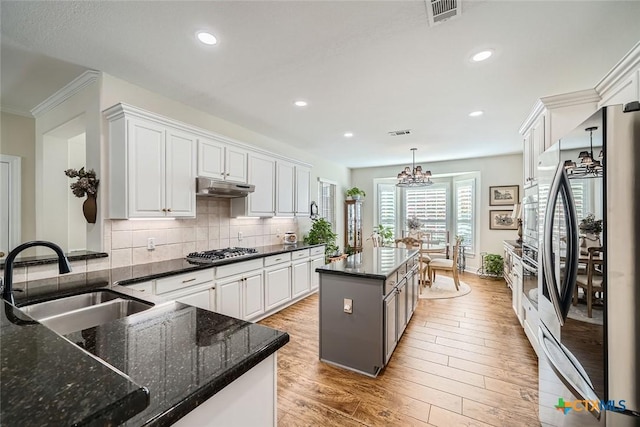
(429, 205)
(464, 214)
(578, 190)
(327, 204)
(387, 206)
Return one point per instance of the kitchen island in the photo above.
(366, 302)
(160, 365)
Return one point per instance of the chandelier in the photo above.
(589, 167)
(414, 177)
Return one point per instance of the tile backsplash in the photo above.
(126, 240)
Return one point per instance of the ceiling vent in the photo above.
(400, 132)
(440, 10)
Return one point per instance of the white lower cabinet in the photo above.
(253, 295)
(315, 277)
(204, 299)
(229, 297)
(277, 285)
(300, 277)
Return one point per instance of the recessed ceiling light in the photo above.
(207, 38)
(300, 103)
(348, 134)
(476, 113)
(481, 56)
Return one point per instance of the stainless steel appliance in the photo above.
(588, 373)
(208, 257)
(530, 274)
(215, 188)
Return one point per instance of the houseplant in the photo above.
(321, 233)
(414, 224)
(589, 225)
(86, 185)
(492, 266)
(355, 193)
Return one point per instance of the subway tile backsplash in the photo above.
(126, 241)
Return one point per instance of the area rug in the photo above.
(579, 313)
(443, 287)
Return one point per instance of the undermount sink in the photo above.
(77, 312)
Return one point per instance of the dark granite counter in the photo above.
(48, 381)
(52, 259)
(516, 248)
(374, 263)
(182, 354)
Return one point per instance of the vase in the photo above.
(587, 241)
(90, 208)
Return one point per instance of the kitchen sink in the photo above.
(77, 312)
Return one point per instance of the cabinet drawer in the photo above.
(181, 281)
(300, 254)
(402, 271)
(146, 287)
(238, 268)
(277, 259)
(318, 250)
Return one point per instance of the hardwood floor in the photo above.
(461, 362)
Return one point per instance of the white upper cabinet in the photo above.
(285, 193)
(218, 160)
(621, 85)
(262, 174)
(152, 166)
(303, 180)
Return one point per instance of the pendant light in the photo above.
(589, 167)
(414, 177)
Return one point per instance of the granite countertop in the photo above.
(517, 247)
(48, 381)
(182, 354)
(374, 263)
(25, 261)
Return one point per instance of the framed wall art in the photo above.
(502, 220)
(504, 195)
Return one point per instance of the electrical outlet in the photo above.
(239, 236)
(151, 243)
(348, 306)
(278, 233)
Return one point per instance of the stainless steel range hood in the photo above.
(214, 188)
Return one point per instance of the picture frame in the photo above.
(504, 195)
(502, 220)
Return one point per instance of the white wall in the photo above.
(498, 170)
(76, 221)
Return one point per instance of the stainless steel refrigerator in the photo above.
(588, 367)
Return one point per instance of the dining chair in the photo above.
(593, 281)
(444, 264)
(424, 259)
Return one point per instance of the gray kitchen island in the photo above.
(366, 302)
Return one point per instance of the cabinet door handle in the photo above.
(228, 174)
(169, 210)
(221, 173)
(164, 210)
(189, 280)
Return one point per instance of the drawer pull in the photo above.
(278, 259)
(189, 280)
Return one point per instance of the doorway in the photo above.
(10, 208)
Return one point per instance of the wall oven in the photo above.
(530, 274)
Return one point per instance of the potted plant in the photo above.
(321, 233)
(589, 225)
(493, 265)
(385, 233)
(414, 224)
(355, 193)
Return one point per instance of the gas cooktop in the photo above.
(207, 257)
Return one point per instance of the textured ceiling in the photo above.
(364, 67)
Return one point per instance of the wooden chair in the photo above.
(413, 243)
(593, 281)
(446, 265)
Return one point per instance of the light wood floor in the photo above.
(461, 362)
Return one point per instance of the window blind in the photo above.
(387, 207)
(327, 202)
(429, 204)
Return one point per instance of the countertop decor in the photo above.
(86, 185)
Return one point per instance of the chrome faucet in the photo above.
(7, 290)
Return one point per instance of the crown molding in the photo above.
(73, 87)
(558, 101)
(628, 64)
(15, 110)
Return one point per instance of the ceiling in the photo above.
(364, 67)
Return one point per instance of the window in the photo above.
(440, 209)
(464, 208)
(429, 204)
(327, 201)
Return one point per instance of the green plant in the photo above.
(385, 233)
(354, 192)
(493, 264)
(589, 224)
(349, 250)
(322, 233)
(414, 223)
